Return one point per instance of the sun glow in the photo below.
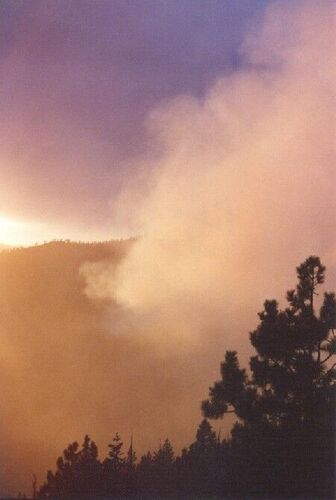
(20, 232)
(9, 231)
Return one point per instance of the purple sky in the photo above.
(78, 79)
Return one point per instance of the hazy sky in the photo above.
(206, 126)
(78, 79)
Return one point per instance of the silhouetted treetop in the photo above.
(291, 375)
(310, 274)
(115, 456)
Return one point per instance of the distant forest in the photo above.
(283, 442)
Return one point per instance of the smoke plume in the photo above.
(242, 191)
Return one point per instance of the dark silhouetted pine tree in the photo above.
(114, 468)
(78, 473)
(203, 461)
(285, 442)
(163, 468)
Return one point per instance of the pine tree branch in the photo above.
(330, 369)
(278, 365)
(230, 410)
(328, 357)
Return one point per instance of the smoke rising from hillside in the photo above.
(244, 190)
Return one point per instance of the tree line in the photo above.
(283, 443)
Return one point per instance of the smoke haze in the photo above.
(245, 187)
(242, 191)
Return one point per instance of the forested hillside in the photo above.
(68, 369)
(50, 336)
(282, 445)
(72, 365)
(52, 268)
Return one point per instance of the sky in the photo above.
(77, 82)
(206, 127)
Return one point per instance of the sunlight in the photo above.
(9, 231)
(21, 233)
(15, 232)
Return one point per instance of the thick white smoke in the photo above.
(244, 189)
